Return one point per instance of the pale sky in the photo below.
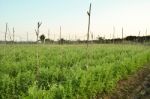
(23, 15)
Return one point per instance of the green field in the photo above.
(66, 71)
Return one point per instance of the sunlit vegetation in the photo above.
(62, 69)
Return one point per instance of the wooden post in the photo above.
(54, 37)
(27, 37)
(139, 36)
(104, 39)
(13, 41)
(13, 34)
(69, 38)
(48, 33)
(113, 34)
(122, 34)
(9, 34)
(60, 35)
(6, 32)
(139, 33)
(89, 15)
(146, 35)
(75, 37)
(5, 38)
(92, 36)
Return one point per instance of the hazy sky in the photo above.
(23, 15)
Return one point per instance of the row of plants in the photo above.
(65, 71)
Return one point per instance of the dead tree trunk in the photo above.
(37, 31)
(89, 21)
(37, 52)
(89, 15)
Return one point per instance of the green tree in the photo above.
(42, 38)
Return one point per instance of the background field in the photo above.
(67, 71)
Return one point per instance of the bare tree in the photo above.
(37, 52)
(37, 31)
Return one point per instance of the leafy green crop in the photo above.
(62, 73)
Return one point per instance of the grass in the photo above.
(63, 73)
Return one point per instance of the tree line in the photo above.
(43, 39)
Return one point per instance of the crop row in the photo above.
(66, 71)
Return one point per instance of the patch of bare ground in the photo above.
(136, 86)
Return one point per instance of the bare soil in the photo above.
(136, 86)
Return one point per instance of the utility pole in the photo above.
(89, 15)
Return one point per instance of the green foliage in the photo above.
(62, 73)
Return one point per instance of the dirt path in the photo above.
(136, 86)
